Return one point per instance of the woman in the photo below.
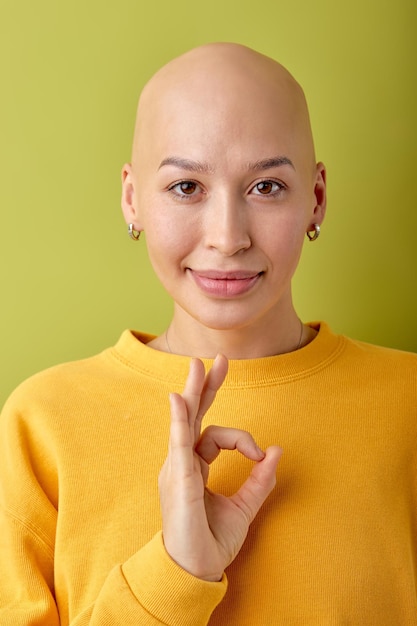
(225, 184)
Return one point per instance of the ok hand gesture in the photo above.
(204, 531)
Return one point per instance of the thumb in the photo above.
(261, 481)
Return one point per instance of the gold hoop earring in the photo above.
(133, 234)
(316, 233)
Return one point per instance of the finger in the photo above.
(193, 389)
(216, 438)
(181, 443)
(254, 491)
(212, 384)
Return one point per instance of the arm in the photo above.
(153, 586)
(202, 531)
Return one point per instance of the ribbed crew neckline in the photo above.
(132, 350)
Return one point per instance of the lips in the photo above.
(227, 284)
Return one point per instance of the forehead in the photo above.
(221, 126)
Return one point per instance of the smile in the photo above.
(225, 284)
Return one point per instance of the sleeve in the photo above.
(151, 589)
(148, 589)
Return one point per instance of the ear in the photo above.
(320, 195)
(129, 203)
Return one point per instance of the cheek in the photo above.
(284, 236)
(161, 226)
(282, 246)
(169, 239)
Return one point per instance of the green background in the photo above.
(71, 72)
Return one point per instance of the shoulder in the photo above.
(60, 386)
(354, 360)
(69, 387)
(384, 356)
(383, 369)
(340, 348)
(60, 377)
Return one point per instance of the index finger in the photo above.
(217, 438)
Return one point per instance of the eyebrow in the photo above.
(204, 168)
(266, 164)
(187, 164)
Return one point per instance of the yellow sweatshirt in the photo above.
(81, 446)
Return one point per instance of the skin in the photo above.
(224, 183)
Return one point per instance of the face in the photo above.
(225, 187)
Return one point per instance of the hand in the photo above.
(204, 531)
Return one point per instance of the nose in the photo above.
(226, 225)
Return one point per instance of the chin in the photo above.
(250, 312)
(227, 320)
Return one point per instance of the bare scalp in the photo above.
(227, 79)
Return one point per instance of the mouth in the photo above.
(225, 284)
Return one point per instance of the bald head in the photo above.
(227, 89)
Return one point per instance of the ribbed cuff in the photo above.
(172, 595)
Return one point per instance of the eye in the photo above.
(185, 188)
(267, 188)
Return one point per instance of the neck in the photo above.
(186, 336)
